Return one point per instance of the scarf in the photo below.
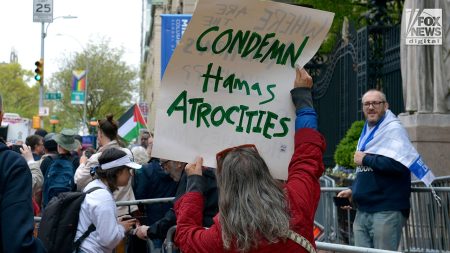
(389, 138)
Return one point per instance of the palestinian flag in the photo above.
(130, 123)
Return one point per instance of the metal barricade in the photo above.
(320, 246)
(144, 201)
(428, 226)
(326, 212)
(426, 230)
(150, 246)
(339, 222)
(169, 243)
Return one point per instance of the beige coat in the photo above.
(83, 177)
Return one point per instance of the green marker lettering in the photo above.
(290, 52)
(269, 89)
(283, 122)
(257, 128)
(229, 112)
(243, 108)
(203, 111)
(175, 107)
(269, 125)
(228, 83)
(242, 38)
(255, 38)
(194, 102)
(199, 47)
(263, 44)
(229, 34)
(213, 116)
(208, 75)
(250, 115)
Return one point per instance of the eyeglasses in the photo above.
(375, 104)
(222, 154)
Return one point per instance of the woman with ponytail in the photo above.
(107, 137)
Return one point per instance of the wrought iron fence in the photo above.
(365, 59)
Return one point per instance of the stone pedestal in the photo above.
(430, 134)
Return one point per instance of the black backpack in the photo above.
(58, 226)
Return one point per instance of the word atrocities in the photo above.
(250, 121)
(423, 27)
(262, 47)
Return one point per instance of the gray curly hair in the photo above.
(251, 201)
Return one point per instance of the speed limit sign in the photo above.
(43, 11)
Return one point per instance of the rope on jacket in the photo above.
(302, 241)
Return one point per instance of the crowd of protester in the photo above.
(237, 207)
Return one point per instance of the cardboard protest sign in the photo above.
(228, 82)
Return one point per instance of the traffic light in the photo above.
(39, 70)
(36, 122)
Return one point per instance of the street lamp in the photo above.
(84, 130)
(43, 35)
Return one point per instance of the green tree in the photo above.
(359, 12)
(346, 148)
(18, 96)
(111, 83)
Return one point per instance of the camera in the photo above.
(16, 148)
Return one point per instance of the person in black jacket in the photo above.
(382, 188)
(16, 210)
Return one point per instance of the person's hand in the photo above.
(149, 149)
(302, 79)
(194, 168)
(358, 158)
(26, 153)
(346, 194)
(141, 232)
(127, 222)
(83, 158)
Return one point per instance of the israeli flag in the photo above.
(389, 138)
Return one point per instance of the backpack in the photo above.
(58, 178)
(58, 226)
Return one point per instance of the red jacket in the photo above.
(303, 192)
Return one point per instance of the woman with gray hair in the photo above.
(140, 155)
(256, 212)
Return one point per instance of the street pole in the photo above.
(85, 99)
(41, 85)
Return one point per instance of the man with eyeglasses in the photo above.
(382, 187)
(159, 178)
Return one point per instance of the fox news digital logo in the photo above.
(423, 27)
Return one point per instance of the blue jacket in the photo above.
(16, 210)
(382, 184)
(150, 182)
